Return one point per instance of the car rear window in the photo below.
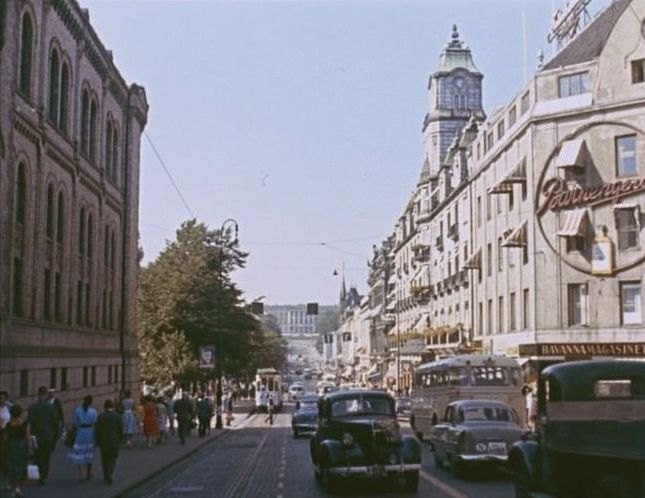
(615, 388)
(361, 406)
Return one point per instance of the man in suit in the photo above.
(108, 431)
(43, 423)
(185, 413)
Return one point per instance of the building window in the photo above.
(578, 299)
(79, 302)
(626, 156)
(490, 141)
(21, 195)
(631, 303)
(24, 383)
(512, 116)
(109, 380)
(54, 88)
(489, 325)
(47, 298)
(479, 211)
(573, 84)
(525, 309)
(93, 125)
(81, 232)
(93, 376)
(576, 243)
(627, 227)
(104, 309)
(498, 203)
(64, 98)
(500, 254)
(638, 71)
(85, 122)
(489, 208)
(49, 227)
(108, 148)
(17, 287)
(26, 55)
(112, 249)
(512, 312)
(63, 379)
(511, 199)
(85, 376)
(58, 298)
(525, 103)
(500, 315)
(489, 259)
(500, 129)
(116, 374)
(525, 252)
(52, 378)
(87, 321)
(524, 191)
(90, 236)
(60, 219)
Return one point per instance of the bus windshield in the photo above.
(471, 376)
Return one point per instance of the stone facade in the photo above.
(70, 130)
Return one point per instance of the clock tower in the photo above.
(455, 95)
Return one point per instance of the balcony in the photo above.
(421, 253)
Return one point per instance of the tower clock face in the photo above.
(459, 83)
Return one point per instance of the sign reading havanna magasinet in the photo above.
(585, 349)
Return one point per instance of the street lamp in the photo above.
(218, 351)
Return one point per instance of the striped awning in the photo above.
(501, 187)
(573, 223)
(475, 261)
(572, 154)
(517, 238)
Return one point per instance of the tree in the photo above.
(187, 299)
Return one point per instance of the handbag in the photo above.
(33, 474)
(70, 436)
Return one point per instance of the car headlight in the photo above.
(348, 439)
(481, 447)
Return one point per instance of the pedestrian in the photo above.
(531, 406)
(229, 410)
(184, 412)
(109, 428)
(43, 424)
(130, 423)
(269, 418)
(162, 419)
(204, 414)
(17, 450)
(58, 408)
(150, 421)
(171, 413)
(5, 416)
(82, 452)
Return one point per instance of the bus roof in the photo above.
(473, 360)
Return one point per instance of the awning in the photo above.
(518, 173)
(574, 223)
(517, 237)
(501, 187)
(475, 261)
(572, 154)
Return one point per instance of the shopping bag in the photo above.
(33, 474)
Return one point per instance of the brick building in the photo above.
(70, 129)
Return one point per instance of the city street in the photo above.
(257, 460)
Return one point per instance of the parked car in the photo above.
(474, 431)
(305, 417)
(403, 407)
(358, 436)
(590, 436)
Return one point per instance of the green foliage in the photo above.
(187, 299)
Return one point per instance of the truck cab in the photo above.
(590, 435)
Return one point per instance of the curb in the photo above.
(185, 456)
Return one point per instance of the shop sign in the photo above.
(585, 350)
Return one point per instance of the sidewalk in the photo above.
(134, 465)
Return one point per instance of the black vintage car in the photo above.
(305, 416)
(590, 438)
(358, 436)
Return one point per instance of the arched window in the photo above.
(90, 236)
(64, 97)
(26, 54)
(49, 230)
(60, 219)
(108, 148)
(93, 128)
(115, 155)
(106, 247)
(112, 247)
(54, 86)
(21, 195)
(81, 232)
(85, 122)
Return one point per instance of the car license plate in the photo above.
(497, 448)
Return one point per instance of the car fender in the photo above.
(410, 449)
(525, 454)
(331, 452)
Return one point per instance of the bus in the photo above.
(468, 376)
(268, 383)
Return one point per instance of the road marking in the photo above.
(446, 488)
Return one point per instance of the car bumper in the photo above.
(483, 458)
(374, 470)
(303, 427)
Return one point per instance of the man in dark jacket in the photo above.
(43, 423)
(184, 412)
(58, 408)
(204, 414)
(108, 431)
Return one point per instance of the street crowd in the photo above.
(28, 435)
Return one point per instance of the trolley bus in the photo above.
(470, 376)
(268, 383)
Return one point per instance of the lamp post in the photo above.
(218, 351)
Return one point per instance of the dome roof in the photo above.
(456, 54)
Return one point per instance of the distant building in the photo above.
(70, 129)
(293, 318)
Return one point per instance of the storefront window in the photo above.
(630, 303)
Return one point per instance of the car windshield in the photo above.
(361, 405)
(486, 413)
(308, 405)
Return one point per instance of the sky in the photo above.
(300, 119)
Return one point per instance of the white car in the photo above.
(296, 391)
